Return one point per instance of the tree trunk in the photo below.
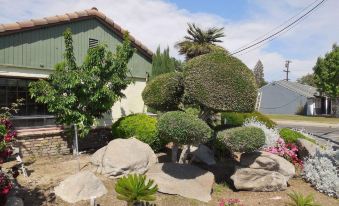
(184, 153)
(174, 153)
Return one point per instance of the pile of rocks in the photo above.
(262, 171)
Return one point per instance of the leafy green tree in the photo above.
(162, 63)
(199, 41)
(135, 188)
(307, 79)
(259, 74)
(326, 75)
(81, 94)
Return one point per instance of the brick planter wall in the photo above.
(54, 141)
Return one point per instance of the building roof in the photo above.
(10, 28)
(302, 89)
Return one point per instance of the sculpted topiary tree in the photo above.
(164, 92)
(214, 82)
(219, 82)
(181, 128)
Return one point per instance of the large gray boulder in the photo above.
(258, 180)
(123, 156)
(81, 186)
(182, 179)
(199, 154)
(306, 148)
(203, 154)
(268, 161)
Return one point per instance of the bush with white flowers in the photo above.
(271, 134)
(321, 172)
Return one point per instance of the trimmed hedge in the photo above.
(236, 119)
(164, 92)
(182, 128)
(291, 136)
(220, 82)
(141, 126)
(242, 139)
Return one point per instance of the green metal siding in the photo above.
(44, 47)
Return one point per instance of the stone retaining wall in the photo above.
(56, 142)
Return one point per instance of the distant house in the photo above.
(286, 97)
(30, 49)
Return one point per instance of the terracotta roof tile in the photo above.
(72, 15)
(81, 13)
(52, 19)
(11, 26)
(89, 13)
(24, 24)
(109, 21)
(63, 17)
(117, 27)
(38, 22)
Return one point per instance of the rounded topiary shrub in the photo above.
(183, 128)
(164, 92)
(141, 126)
(236, 119)
(242, 139)
(220, 82)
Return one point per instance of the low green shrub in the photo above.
(141, 126)
(242, 139)
(291, 136)
(182, 128)
(236, 119)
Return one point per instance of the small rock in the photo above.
(81, 186)
(306, 148)
(258, 180)
(182, 179)
(14, 201)
(268, 161)
(123, 156)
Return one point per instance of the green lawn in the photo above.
(329, 120)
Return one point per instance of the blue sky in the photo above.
(232, 10)
(164, 22)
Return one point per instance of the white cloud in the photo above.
(155, 22)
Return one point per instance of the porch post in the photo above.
(326, 105)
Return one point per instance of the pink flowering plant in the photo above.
(230, 202)
(7, 135)
(288, 151)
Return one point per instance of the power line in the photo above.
(269, 40)
(288, 20)
(281, 30)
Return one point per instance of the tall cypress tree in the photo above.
(259, 74)
(162, 63)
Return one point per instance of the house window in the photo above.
(93, 42)
(30, 113)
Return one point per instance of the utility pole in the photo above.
(287, 65)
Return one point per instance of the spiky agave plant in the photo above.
(299, 200)
(134, 188)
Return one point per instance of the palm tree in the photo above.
(199, 41)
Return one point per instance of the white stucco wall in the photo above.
(131, 104)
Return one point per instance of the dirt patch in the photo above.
(47, 172)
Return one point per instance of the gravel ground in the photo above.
(46, 173)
